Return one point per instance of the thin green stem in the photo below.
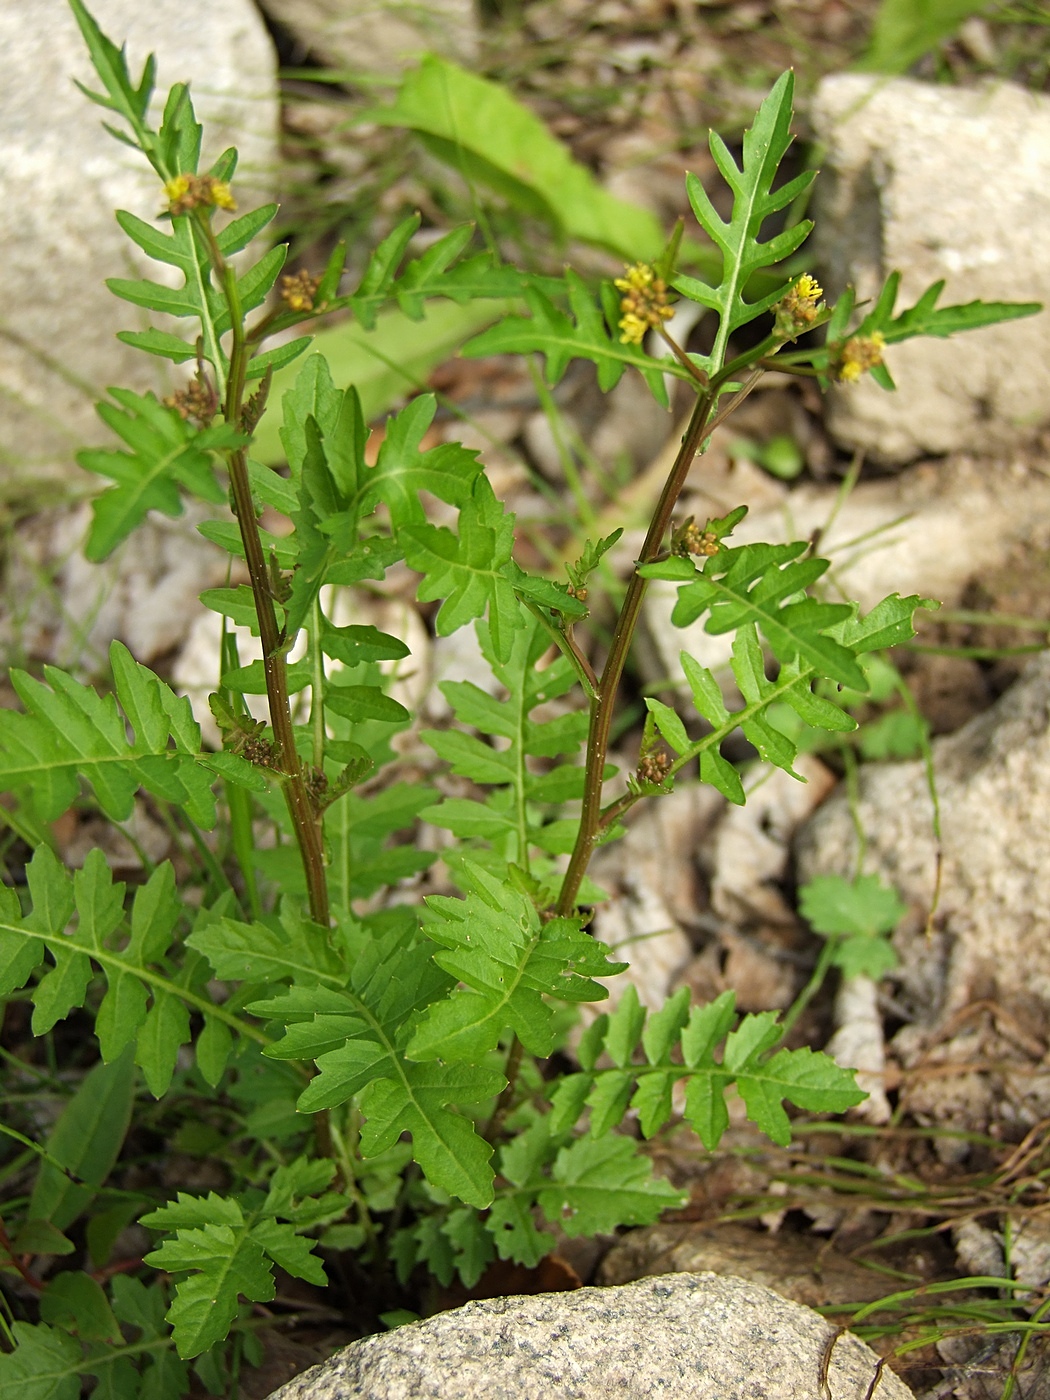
(812, 987)
(317, 684)
(506, 1098)
(238, 801)
(566, 644)
(345, 1157)
(565, 454)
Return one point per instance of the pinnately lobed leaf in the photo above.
(410, 1014)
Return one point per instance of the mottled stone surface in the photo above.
(61, 178)
(683, 1336)
(377, 36)
(993, 784)
(939, 182)
(800, 1267)
(928, 531)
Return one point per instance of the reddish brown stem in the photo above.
(603, 703)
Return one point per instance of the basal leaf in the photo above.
(69, 731)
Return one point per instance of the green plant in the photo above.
(399, 1053)
(904, 30)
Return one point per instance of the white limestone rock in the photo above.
(928, 531)
(939, 182)
(61, 178)
(378, 36)
(993, 786)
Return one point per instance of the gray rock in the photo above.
(378, 36)
(62, 176)
(690, 1336)
(939, 182)
(993, 784)
(802, 1268)
(928, 531)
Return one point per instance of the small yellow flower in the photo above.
(808, 289)
(188, 192)
(221, 195)
(861, 353)
(179, 187)
(299, 291)
(797, 310)
(644, 303)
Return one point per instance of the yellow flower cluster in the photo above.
(644, 303)
(861, 353)
(188, 192)
(299, 290)
(697, 541)
(798, 309)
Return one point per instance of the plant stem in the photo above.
(506, 1098)
(604, 701)
(306, 821)
(812, 987)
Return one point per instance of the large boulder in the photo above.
(693, 1336)
(61, 178)
(939, 182)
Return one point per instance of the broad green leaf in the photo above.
(383, 365)
(467, 573)
(510, 1223)
(508, 960)
(832, 904)
(165, 1030)
(162, 454)
(359, 643)
(46, 1364)
(802, 1077)
(76, 1302)
(86, 1140)
(363, 702)
(68, 731)
(258, 953)
(471, 1242)
(858, 912)
(467, 818)
(238, 604)
(602, 1183)
(228, 1246)
(393, 979)
(479, 128)
(906, 29)
(206, 1302)
(449, 472)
